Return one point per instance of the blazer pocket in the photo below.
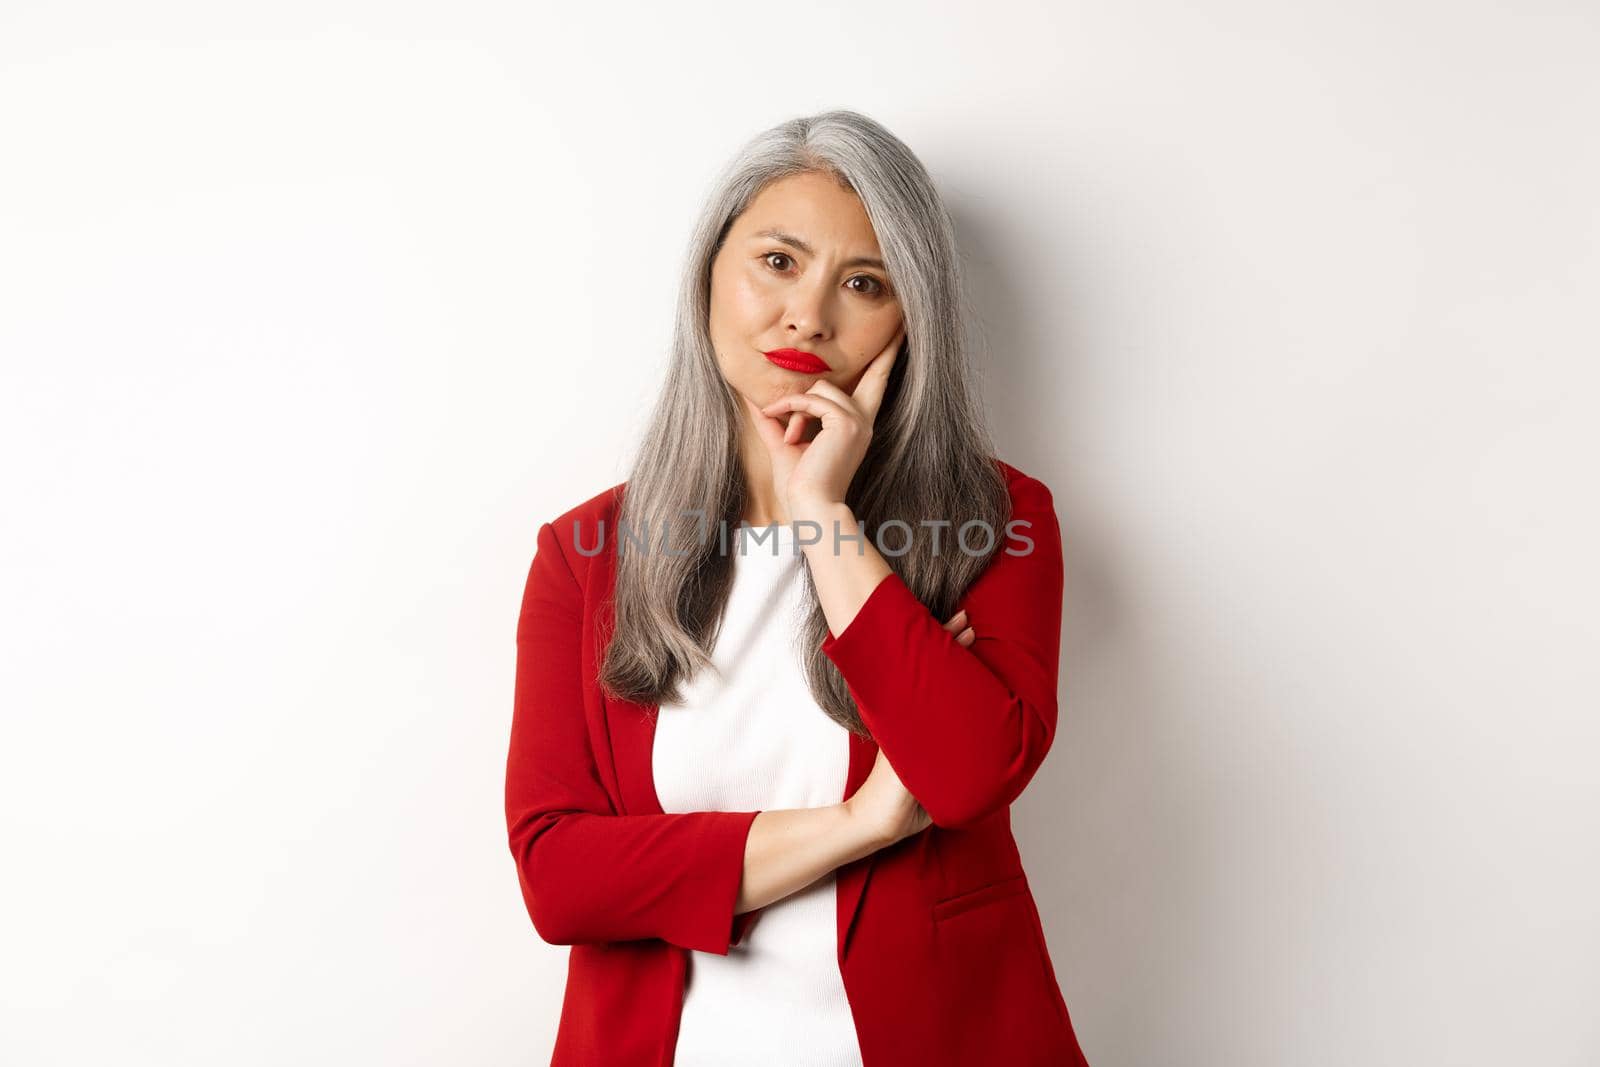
(977, 898)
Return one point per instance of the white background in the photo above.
(312, 313)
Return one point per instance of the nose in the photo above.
(807, 311)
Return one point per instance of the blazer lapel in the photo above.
(852, 877)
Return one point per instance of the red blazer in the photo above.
(939, 941)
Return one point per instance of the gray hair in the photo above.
(929, 458)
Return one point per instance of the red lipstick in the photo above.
(796, 360)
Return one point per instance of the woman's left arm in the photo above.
(965, 728)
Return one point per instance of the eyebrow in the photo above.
(795, 242)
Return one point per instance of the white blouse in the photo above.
(754, 739)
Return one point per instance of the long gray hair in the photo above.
(929, 457)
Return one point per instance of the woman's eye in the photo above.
(873, 287)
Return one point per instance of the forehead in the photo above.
(814, 207)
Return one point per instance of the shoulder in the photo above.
(1027, 492)
(579, 534)
(1033, 525)
(586, 530)
(603, 505)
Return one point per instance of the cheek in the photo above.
(744, 300)
(742, 309)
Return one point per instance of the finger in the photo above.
(868, 393)
(823, 408)
(770, 429)
(823, 387)
(968, 636)
(826, 389)
(795, 432)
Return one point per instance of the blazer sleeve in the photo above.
(589, 874)
(965, 728)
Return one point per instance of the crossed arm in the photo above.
(964, 728)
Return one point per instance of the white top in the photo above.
(754, 739)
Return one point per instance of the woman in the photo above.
(734, 696)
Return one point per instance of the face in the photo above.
(800, 269)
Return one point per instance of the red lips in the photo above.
(796, 360)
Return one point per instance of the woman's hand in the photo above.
(810, 475)
(883, 804)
